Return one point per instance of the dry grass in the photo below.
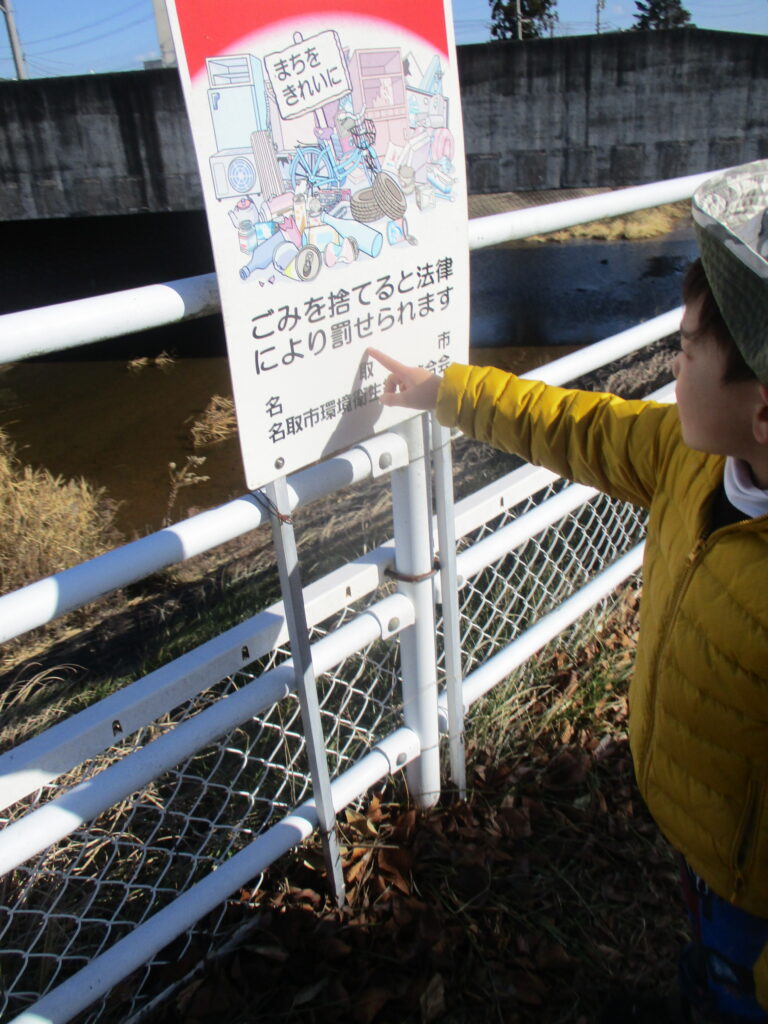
(217, 422)
(164, 361)
(47, 523)
(180, 477)
(642, 224)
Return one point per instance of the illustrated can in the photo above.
(305, 265)
(300, 264)
(252, 233)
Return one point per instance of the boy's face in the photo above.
(715, 415)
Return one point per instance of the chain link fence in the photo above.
(76, 899)
(513, 593)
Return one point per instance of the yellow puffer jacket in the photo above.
(699, 696)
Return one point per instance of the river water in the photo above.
(84, 413)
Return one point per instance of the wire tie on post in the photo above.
(271, 508)
(404, 577)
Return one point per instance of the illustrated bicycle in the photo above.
(318, 166)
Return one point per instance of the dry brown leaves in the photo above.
(527, 903)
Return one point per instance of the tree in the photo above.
(522, 19)
(653, 14)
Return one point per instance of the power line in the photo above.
(47, 69)
(90, 24)
(95, 39)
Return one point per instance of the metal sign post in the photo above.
(449, 587)
(414, 572)
(293, 600)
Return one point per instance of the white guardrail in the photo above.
(236, 715)
(68, 324)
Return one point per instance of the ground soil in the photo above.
(533, 900)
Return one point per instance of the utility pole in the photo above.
(164, 37)
(600, 7)
(18, 56)
(518, 19)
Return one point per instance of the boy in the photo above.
(699, 696)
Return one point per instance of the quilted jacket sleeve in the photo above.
(600, 440)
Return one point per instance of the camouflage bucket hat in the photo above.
(730, 215)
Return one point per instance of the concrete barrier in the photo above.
(587, 111)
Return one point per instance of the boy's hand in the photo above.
(409, 386)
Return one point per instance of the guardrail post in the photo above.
(296, 618)
(449, 591)
(412, 516)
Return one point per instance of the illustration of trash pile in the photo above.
(324, 203)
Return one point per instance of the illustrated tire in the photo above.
(364, 207)
(390, 198)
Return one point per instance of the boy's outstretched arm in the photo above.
(409, 386)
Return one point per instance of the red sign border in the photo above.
(209, 30)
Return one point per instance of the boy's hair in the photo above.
(711, 322)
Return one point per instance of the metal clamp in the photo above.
(404, 577)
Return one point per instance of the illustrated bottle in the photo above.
(262, 255)
(284, 255)
(368, 239)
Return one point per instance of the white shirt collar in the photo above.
(742, 491)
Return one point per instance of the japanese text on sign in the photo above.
(345, 316)
(308, 74)
(283, 426)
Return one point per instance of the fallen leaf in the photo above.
(553, 955)
(519, 821)
(366, 1006)
(396, 865)
(432, 1001)
(269, 952)
(334, 948)
(308, 993)
(358, 867)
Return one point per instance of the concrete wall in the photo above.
(96, 145)
(611, 110)
(608, 110)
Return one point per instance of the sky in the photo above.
(82, 36)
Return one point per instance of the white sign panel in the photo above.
(330, 148)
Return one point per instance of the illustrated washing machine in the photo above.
(234, 173)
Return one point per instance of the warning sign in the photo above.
(331, 153)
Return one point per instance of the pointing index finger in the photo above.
(386, 361)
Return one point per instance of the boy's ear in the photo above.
(760, 421)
